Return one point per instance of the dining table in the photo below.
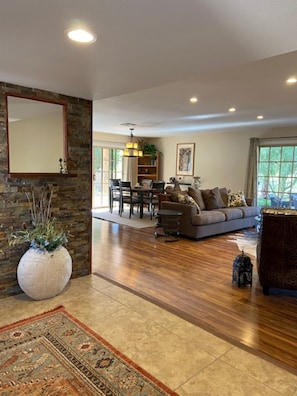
(141, 192)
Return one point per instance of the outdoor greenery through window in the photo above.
(107, 164)
(277, 176)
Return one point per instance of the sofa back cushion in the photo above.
(197, 196)
(224, 196)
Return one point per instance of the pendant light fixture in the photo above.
(131, 149)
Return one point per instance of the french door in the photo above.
(107, 164)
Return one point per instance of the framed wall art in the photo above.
(185, 153)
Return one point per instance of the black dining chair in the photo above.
(158, 187)
(127, 197)
(114, 193)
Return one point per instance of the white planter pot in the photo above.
(42, 274)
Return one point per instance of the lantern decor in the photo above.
(242, 270)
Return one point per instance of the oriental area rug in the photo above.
(55, 354)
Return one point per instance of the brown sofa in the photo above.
(210, 211)
(277, 249)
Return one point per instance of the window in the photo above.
(277, 176)
(107, 164)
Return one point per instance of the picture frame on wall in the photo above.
(185, 153)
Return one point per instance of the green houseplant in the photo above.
(150, 149)
(45, 268)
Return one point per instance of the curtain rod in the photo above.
(275, 137)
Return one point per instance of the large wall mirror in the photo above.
(37, 135)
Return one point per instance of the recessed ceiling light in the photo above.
(260, 117)
(232, 109)
(194, 100)
(81, 36)
(291, 80)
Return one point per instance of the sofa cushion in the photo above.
(249, 211)
(232, 213)
(197, 196)
(186, 199)
(208, 217)
(236, 199)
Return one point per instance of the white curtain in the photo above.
(130, 169)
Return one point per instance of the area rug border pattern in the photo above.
(119, 354)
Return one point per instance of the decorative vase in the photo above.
(43, 274)
(197, 181)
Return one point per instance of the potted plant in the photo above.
(46, 267)
(150, 149)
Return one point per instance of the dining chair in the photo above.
(127, 197)
(114, 193)
(158, 187)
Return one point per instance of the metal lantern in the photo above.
(242, 270)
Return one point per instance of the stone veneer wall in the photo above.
(71, 202)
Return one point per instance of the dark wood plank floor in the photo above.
(194, 280)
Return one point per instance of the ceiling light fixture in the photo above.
(291, 80)
(260, 117)
(232, 109)
(131, 149)
(81, 36)
(194, 100)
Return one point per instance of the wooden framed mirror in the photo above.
(36, 135)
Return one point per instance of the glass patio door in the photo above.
(107, 164)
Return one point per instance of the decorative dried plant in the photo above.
(40, 206)
(46, 234)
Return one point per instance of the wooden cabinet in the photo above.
(147, 168)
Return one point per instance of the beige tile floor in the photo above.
(186, 358)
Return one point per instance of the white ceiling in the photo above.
(151, 56)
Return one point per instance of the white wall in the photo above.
(220, 158)
(110, 140)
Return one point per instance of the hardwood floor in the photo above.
(194, 280)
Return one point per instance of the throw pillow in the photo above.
(236, 199)
(186, 199)
(174, 195)
(197, 196)
(210, 200)
(217, 194)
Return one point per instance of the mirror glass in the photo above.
(36, 135)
